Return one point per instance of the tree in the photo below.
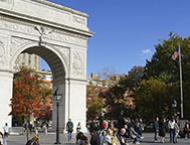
(151, 98)
(161, 66)
(27, 97)
(117, 98)
(94, 108)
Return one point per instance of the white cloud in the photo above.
(146, 51)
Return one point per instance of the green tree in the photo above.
(151, 98)
(161, 66)
(94, 108)
(117, 96)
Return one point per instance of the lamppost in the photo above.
(57, 98)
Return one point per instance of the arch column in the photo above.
(72, 104)
(6, 89)
(76, 103)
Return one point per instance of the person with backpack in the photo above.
(69, 128)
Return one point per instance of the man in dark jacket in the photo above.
(69, 129)
(156, 128)
(95, 138)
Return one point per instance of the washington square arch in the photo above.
(57, 34)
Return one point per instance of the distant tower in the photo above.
(29, 60)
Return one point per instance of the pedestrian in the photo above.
(177, 129)
(6, 130)
(81, 139)
(69, 128)
(120, 122)
(110, 138)
(162, 129)
(104, 125)
(156, 128)
(139, 126)
(30, 126)
(133, 134)
(78, 127)
(95, 138)
(33, 141)
(171, 125)
(45, 128)
(122, 137)
(187, 129)
(93, 126)
(102, 137)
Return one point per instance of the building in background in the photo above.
(29, 60)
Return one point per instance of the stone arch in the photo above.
(33, 47)
(59, 70)
(19, 33)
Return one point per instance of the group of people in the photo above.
(160, 127)
(120, 133)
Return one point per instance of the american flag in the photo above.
(175, 54)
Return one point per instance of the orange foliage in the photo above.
(28, 95)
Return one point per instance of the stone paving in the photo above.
(49, 139)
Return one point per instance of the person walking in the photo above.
(6, 130)
(69, 128)
(171, 125)
(78, 127)
(162, 129)
(177, 129)
(156, 128)
(139, 126)
(187, 129)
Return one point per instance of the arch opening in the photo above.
(57, 69)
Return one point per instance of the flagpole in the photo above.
(181, 84)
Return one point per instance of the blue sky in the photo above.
(126, 31)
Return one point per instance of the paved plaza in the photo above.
(49, 139)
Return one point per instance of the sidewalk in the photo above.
(50, 139)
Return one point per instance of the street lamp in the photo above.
(57, 98)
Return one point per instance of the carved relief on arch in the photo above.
(2, 53)
(17, 43)
(77, 64)
(65, 53)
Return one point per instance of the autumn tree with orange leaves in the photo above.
(30, 95)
